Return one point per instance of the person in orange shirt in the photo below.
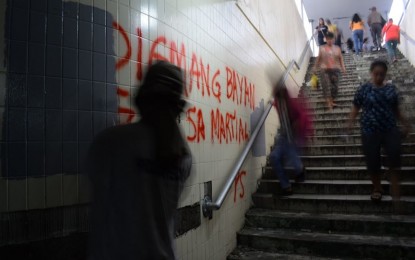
(392, 35)
(357, 26)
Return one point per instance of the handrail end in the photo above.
(208, 206)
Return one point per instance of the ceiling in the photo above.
(344, 9)
(341, 11)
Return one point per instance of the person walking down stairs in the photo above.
(295, 125)
(392, 39)
(330, 61)
(380, 112)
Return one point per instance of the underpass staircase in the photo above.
(330, 215)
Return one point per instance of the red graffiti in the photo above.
(200, 77)
(238, 90)
(125, 59)
(238, 179)
(125, 110)
(198, 127)
(227, 127)
(139, 73)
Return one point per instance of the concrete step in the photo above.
(390, 225)
(334, 187)
(348, 160)
(328, 245)
(350, 204)
(340, 173)
(345, 139)
(407, 148)
(246, 253)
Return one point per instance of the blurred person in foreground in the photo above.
(137, 173)
(379, 102)
(295, 125)
(330, 62)
(392, 35)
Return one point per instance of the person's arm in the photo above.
(351, 25)
(406, 125)
(317, 64)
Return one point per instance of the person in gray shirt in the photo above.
(375, 22)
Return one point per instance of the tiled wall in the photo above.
(74, 66)
(407, 46)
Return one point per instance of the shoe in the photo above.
(287, 192)
(300, 177)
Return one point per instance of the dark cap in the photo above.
(373, 8)
(163, 84)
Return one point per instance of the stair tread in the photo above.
(246, 253)
(346, 156)
(355, 239)
(345, 168)
(341, 182)
(332, 216)
(385, 198)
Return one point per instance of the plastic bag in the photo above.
(314, 82)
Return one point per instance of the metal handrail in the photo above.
(208, 205)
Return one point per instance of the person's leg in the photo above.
(355, 41)
(373, 33)
(378, 29)
(371, 150)
(325, 85)
(394, 45)
(389, 50)
(360, 34)
(334, 79)
(392, 145)
(276, 158)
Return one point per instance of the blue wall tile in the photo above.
(16, 159)
(70, 94)
(85, 36)
(99, 16)
(112, 98)
(36, 91)
(19, 24)
(21, 4)
(100, 122)
(70, 63)
(16, 90)
(70, 125)
(83, 148)
(112, 119)
(55, 7)
(37, 27)
(53, 92)
(53, 158)
(35, 159)
(99, 38)
(53, 125)
(85, 13)
(54, 30)
(70, 158)
(85, 126)
(85, 65)
(17, 123)
(99, 68)
(53, 61)
(70, 9)
(111, 78)
(85, 95)
(18, 56)
(35, 124)
(98, 96)
(38, 5)
(70, 33)
(37, 59)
